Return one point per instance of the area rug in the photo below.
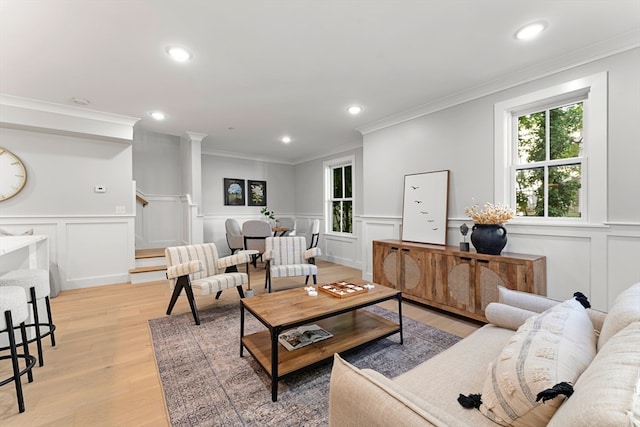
(207, 383)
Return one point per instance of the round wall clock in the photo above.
(13, 174)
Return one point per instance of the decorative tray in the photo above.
(343, 289)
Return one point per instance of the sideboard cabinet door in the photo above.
(447, 278)
(386, 264)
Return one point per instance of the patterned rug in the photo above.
(207, 383)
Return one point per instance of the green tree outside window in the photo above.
(549, 168)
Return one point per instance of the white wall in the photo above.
(280, 192)
(158, 173)
(89, 242)
(309, 197)
(594, 259)
(156, 160)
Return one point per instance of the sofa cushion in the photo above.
(460, 368)
(625, 310)
(605, 393)
(525, 300)
(375, 399)
(507, 316)
(539, 303)
(552, 347)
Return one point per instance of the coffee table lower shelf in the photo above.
(349, 330)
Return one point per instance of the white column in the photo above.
(192, 165)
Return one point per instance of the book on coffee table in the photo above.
(302, 336)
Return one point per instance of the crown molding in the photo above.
(343, 148)
(625, 42)
(36, 115)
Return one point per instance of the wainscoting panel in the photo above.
(97, 253)
(88, 251)
(40, 227)
(623, 264)
(341, 250)
(376, 229)
(600, 261)
(162, 222)
(561, 251)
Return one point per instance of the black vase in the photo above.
(489, 239)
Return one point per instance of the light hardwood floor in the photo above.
(102, 371)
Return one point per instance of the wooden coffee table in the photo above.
(351, 327)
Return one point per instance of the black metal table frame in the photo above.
(275, 331)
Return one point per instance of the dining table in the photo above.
(281, 230)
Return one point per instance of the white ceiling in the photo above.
(265, 68)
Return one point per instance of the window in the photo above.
(339, 190)
(551, 152)
(548, 165)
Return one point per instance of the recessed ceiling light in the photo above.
(158, 115)
(354, 110)
(178, 53)
(530, 31)
(80, 101)
(286, 139)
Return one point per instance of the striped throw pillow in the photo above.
(553, 347)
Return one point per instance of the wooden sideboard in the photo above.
(456, 281)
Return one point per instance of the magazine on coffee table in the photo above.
(302, 336)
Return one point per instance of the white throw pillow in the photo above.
(553, 347)
(607, 394)
(625, 310)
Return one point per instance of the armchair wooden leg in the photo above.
(315, 282)
(240, 291)
(267, 276)
(184, 283)
(192, 302)
(218, 294)
(306, 280)
(174, 296)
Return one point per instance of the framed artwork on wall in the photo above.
(257, 193)
(424, 213)
(233, 192)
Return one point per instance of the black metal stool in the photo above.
(35, 283)
(14, 309)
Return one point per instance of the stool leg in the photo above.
(14, 360)
(36, 320)
(52, 327)
(25, 348)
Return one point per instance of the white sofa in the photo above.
(605, 394)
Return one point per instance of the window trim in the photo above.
(328, 194)
(594, 155)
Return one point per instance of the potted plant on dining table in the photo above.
(269, 216)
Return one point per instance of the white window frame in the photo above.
(328, 167)
(593, 90)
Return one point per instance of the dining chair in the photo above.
(234, 235)
(289, 223)
(254, 233)
(289, 257)
(313, 234)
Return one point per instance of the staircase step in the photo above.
(150, 266)
(149, 253)
(147, 269)
(146, 277)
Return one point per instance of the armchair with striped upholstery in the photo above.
(198, 270)
(288, 257)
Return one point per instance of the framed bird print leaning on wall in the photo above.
(424, 212)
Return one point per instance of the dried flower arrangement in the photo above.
(490, 213)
